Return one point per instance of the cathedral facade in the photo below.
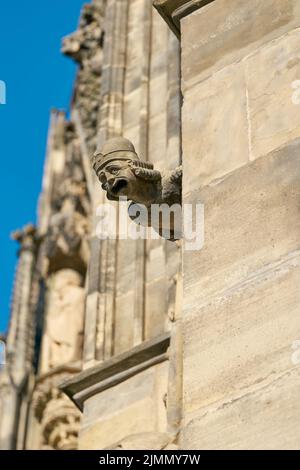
(153, 343)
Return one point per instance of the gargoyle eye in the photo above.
(114, 170)
(102, 177)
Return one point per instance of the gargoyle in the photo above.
(123, 175)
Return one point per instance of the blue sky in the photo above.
(37, 79)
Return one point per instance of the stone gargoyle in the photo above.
(123, 175)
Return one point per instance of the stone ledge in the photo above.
(173, 10)
(115, 370)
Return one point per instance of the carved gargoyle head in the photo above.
(122, 174)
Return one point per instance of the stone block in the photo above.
(225, 31)
(156, 307)
(158, 105)
(131, 407)
(274, 115)
(251, 221)
(156, 262)
(124, 320)
(242, 339)
(126, 267)
(132, 105)
(267, 419)
(158, 140)
(215, 128)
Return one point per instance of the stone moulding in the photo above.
(173, 11)
(116, 370)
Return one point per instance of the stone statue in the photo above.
(64, 322)
(122, 174)
(66, 243)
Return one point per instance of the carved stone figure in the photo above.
(81, 44)
(64, 323)
(122, 174)
(66, 243)
(85, 46)
(59, 419)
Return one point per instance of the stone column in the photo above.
(17, 368)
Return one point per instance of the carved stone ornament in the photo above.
(81, 44)
(27, 238)
(66, 242)
(123, 175)
(58, 417)
(85, 46)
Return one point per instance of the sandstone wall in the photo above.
(241, 158)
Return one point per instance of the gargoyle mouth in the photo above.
(119, 185)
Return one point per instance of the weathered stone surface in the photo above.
(156, 307)
(251, 220)
(273, 113)
(128, 408)
(173, 11)
(225, 31)
(166, 9)
(134, 50)
(158, 140)
(143, 441)
(265, 419)
(159, 44)
(117, 369)
(157, 105)
(132, 105)
(126, 267)
(240, 315)
(215, 128)
(123, 336)
(243, 337)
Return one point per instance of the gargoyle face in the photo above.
(118, 179)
